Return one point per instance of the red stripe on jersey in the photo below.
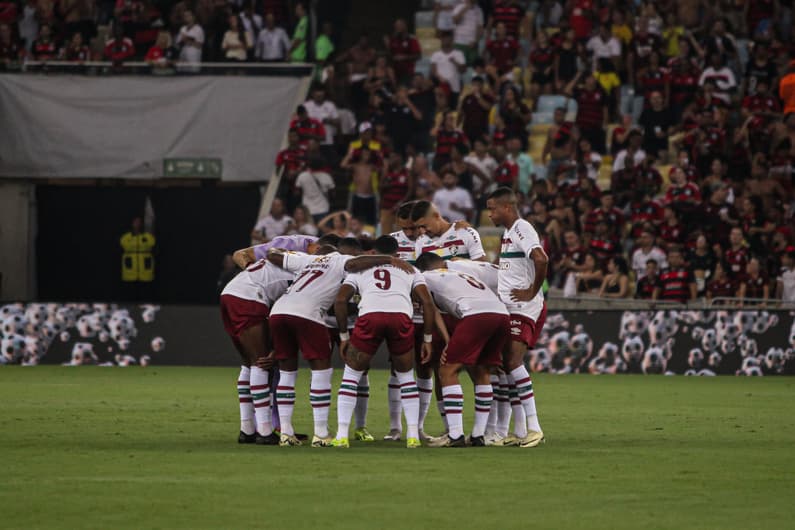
(445, 245)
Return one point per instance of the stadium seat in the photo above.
(423, 19)
(542, 117)
(423, 66)
(548, 103)
(430, 45)
(425, 33)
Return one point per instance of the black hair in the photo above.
(621, 264)
(349, 243)
(404, 211)
(652, 261)
(502, 193)
(428, 261)
(420, 210)
(386, 245)
(329, 239)
(366, 243)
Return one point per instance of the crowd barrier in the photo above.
(687, 342)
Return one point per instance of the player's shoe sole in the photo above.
(288, 440)
(363, 435)
(271, 439)
(393, 436)
(439, 441)
(317, 441)
(340, 443)
(477, 441)
(244, 438)
(461, 441)
(533, 439)
(413, 443)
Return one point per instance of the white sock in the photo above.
(246, 401)
(362, 399)
(491, 422)
(394, 404)
(346, 400)
(524, 387)
(453, 397)
(426, 393)
(483, 398)
(320, 397)
(261, 394)
(285, 398)
(440, 407)
(519, 421)
(503, 407)
(410, 400)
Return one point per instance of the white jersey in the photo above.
(461, 294)
(461, 243)
(517, 271)
(262, 281)
(487, 273)
(316, 286)
(385, 289)
(405, 247)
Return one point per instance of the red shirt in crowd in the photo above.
(646, 287)
(671, 234)
(405, 45)
(293, 160)
(510, 15)
(447, 140)
(683, 87)
(507, 173)
(644, 212)
(581, 18)
(603, 249)
(307, 129)
(394, 188)
(118, 51)
(503, 53)
(590, 108)
(724, 288)
(737, 260)
(44, 50)
(676, 284)
(689, 193)
(613, 217)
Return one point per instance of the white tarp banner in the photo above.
(126, 127)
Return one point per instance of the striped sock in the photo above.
(426, 393)
(453, 396)
(440, 408)
(246, 403)
(394, 404)
(362, 399)
(285, 398)
(274, 382)
(261, 393)
(519, 421)
(524, 386)
(483, 398)
(346, 400)
(503, 407)
(320, 397)
(410, 400)
(491, 422)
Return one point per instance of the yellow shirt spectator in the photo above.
(623, 33)
(671, 36)
(607, 80)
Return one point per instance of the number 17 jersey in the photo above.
(385, 289)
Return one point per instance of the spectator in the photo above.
(702, 262)
(468, 28)
(501, 51)
(572, 255)
(785, 282)
(589, 280)
(396, 187)
(677, 282)
(605, 74)
(672, 232)
(484, 163)
(404, 50)
(78, 17)
(474, 109)
(721, 285)
(682, 195)
(648, 286)
(75, 51)
(364, 167)
(358, 229)
(566, 60)
(119, 48)
(559, 147)
(514, 115)
(453, 201)
(507, 173)
(358, 60)
(322, 109)
(647, 178)
(592, 110)
(324, 46)
(607, 212)
(604, 45)
(161, 53)
(646, 251)
(616, 281)
(336, 223)
(525, 163)
(786, 89)
(302, 223)
(447, 65)
(44, 47)
(251, 21)
(272, 42)
(11, 50)
(314, 186)
(633, 149)
(603, 244)
(276, 223)
(509, 13)
(447, 138)
(308, 128)
(443, 15)
(721, 76)
(190, 41)
(657, 124)
(736, 256)
(237, 41)
(754, 288)
(298, 44)
(755, 224)
(28, 24)
(380, 79)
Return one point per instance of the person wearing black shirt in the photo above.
(401, 117)
(657, 123)
(648, 287)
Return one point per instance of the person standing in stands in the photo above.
(137, 263)
(298, 47)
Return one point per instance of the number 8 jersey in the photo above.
(385, 289)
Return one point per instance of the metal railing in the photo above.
(587, 302)
(168, 69)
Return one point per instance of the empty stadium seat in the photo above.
(542, 117)
(423, 19)
(548, 103)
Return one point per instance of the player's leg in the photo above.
(484, 395)
(254, 341)
(491, 421)
(453, 401)
(284, 334)
(315, 346)
(497, 328)
(360, 411)
(393, 395)
(424, 379)
(356, 364)
(503, 406)
(409, 395)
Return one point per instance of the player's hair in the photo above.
(329, 239)
(386, 245)
(404, 211)
(349, 244)
(420, 210)
(503, 194)
(428, 261)
(366, 243)
(322, 250)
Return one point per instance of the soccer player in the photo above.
(297, 322)
(297, 243)
(245, 304)
(480, 334)
(523, 268)
(385, 312)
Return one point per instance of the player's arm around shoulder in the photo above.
(344, 295)
(362, 263)
(244, 257)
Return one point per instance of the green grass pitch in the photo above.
(156, 448)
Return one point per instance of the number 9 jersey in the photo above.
(385, 289)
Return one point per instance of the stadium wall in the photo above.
(714, 342)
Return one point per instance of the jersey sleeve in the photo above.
(418, 279)
(352, 279)
(474, 246)
(295, 261)
(526, 237)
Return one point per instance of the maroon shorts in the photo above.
(527, 330)
(239, 314)
(479, 339)
(334, 336)
(290, 333)
(374, 328)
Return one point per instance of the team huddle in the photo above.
(425, 291)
